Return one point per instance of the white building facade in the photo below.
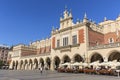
(83, 41)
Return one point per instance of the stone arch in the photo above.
(30, 61)
(96, 57)
(48, 62)
(13, 65)
(30, 64)
(41, 62)
(16, 65)
(36, 63)
(66, 58)
(21, 64)
(77, 58)
(56, 62)
(114, 55)
(26, 64)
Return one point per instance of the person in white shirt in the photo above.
(41, 70)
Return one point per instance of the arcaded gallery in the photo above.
(82, 43)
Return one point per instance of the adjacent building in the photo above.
(83, 41)
(4, 53)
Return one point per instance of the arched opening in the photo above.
(96, 57)
(13, 65)
(114, 56)
(78, 58)
(26, 64)
(36, 63)
(16, 66)
(66, 59)
(21, 64)
(41, 62)
(48, 61)
(57, 62)
(30, 64)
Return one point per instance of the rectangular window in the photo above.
(65, 41)
(58, 43)
(74, 39)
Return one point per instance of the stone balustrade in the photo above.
(111, 45)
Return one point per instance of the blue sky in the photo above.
(25, 21)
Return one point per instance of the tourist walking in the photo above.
(41, 70)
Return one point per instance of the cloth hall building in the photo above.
(83, 41)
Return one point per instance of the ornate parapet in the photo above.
(23, 50)
(44, 54)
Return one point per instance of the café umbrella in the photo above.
(77, 64)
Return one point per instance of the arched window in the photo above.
(111, 40)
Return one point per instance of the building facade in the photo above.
(4, 53)
(83, 41)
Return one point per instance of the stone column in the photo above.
(87, 60)
(105, 59)
(11, 65)
(30, 66)
(45, 65)
(61, 61)
(33, 66)
(52, 65)
(72, 60)
(18, 67)
(39, 65)
(24, 66)
(27, 66)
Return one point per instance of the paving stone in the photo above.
(50, 75)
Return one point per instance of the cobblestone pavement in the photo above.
(50, 75)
